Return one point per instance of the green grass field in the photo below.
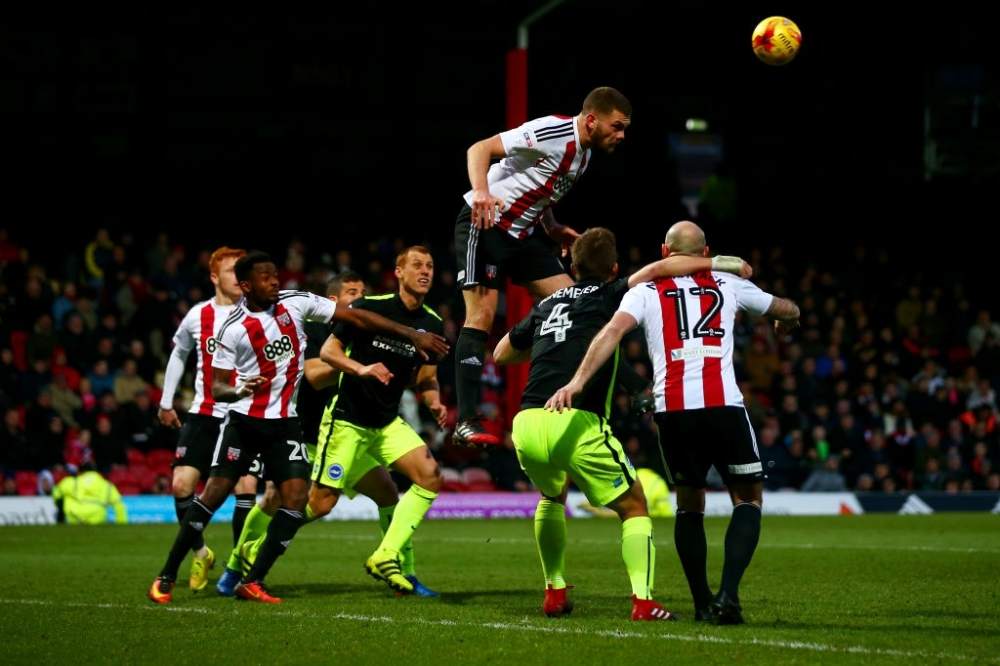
(888, 589)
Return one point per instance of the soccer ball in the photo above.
(776, 40)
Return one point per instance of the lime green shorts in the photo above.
(549, 445)
(347, 452)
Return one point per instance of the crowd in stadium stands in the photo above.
(880, 390)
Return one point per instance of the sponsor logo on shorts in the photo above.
(181, 452)
(232, 454)
(335, 471)
(619, 481)
(527, 140)
(472, 360)
(491, 271)
(461, 276)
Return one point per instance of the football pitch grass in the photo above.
(874, 588)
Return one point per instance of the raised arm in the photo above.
(680, 264)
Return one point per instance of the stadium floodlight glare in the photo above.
(696, 125)
(522, 28)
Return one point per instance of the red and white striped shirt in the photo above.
(688, 323)
(544, 159)
(270, 344)
(199, 331)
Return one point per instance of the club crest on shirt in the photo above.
(284, 319)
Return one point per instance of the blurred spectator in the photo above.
(146, 365)
(778, 465)
(931, 477)
(9, 378)
(84, 499)
(909, 309)
(108, 445)
(36, 380)
(42, 342)
(128, 382)
(75, 340)
(138, 422)
(100, 378)
(97, 256)
(982, 394)
(826, 478)
(65, 401)
(762, 364)
(14, 453)
(984, 328)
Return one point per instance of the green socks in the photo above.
(639, 555)
(406, 560)
(254, 528)
(409, 513)
(550, 535)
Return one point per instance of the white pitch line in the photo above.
(374, 536)
(531, 628)
(76, 604)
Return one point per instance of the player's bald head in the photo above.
(685, 238)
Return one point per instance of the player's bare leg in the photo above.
(470, 353)
(742, 536)
(639, 553)
(322, 499)
(548, 286)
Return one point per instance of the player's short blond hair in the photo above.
(405, 252)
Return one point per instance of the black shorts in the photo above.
(197, 442)
(695, 439)
(247, 442)
(486, 257)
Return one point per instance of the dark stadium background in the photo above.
(341, 123)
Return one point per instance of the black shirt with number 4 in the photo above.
(365, 401)
(558, 330)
